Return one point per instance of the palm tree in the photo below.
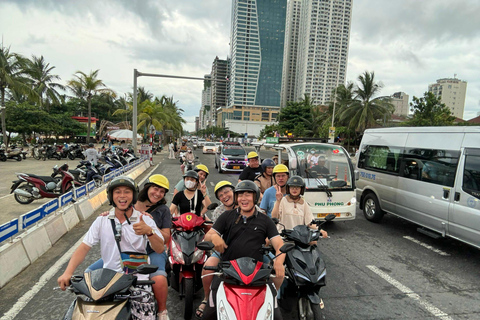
(364, 110)
(43, 82)
(86, 86)
(12, 78)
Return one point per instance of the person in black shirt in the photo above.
(242, 232)
(193, 198)
(253, 169)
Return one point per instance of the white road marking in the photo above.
(25, 299)
(8, 195)
(409, 293)
(440, 252)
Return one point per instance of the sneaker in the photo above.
(163, 315)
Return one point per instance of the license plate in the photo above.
(323, 215)
(236, 167)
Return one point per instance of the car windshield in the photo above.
(321, 165)
(233, 151)
(210, 144)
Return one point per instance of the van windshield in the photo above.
(322, 165)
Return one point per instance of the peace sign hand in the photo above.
(278, 194)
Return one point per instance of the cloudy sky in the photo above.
(408, 43)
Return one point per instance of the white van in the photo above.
(427, 175)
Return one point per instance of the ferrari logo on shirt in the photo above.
(189, 217)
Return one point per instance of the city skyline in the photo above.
(408, 44)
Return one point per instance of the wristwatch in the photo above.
(151, 233)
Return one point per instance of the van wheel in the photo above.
(371, 208)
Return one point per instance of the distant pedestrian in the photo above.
(91, 154)
(171, 154)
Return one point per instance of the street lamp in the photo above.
(331, 133)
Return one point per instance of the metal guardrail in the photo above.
(11, 228)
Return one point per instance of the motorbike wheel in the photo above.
(82, 157)
(316, 311)
(24, 156)
(21, 199)
(3, 158)
(59, 156)
(308, 310)
(71, 156)
(189, 291)
(44, 157)
(19, 158)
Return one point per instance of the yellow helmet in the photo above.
(160, 180)
(252, 154)
(222, 184)
(202, 167)
(280, 168)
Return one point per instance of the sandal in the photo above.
(199, 311)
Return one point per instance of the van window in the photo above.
(429, 165)
(471, 173)
(380, 158)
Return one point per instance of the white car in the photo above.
(209, 147)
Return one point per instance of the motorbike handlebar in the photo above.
(212, 268)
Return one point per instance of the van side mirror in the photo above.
(357, 175)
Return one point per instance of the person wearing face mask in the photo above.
(193, 198)
(189, 156)
(203, 173)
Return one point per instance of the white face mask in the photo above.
(190, 184)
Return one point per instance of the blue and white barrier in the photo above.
(46, 224)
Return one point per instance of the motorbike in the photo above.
(11, 153)
(305, 271)
(189, 164)
(22, 152)
(106, 294)
(30, 187)
(185, 259)
(50, 152)
(75, 151)
(245, 290)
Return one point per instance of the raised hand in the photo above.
(278, 194)
(141, 227)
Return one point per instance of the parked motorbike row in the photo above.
(29, 187)
(13, 152)
(58, 152)
(245, 290)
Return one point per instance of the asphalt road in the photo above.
(375, 271)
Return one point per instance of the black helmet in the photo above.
(296, 181)
(183, 143)
(91, 145)
(191, 174)
(122, 181)
(268, 163)
(250, 186)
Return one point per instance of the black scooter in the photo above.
(306, 271)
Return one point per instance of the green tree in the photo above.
(292, 115)
(13, 78)
(40, 74)
(86, 86)
(429, 111)
(269, 131)
(364, 111)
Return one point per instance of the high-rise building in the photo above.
(452, 93)
(206, 113)
(320, 59)
(219, 86)
(256, 44)
(400, 101)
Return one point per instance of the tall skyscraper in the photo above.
(206, 113)
(321, 56)
(452, 93)
(256, 44)
(219, 86)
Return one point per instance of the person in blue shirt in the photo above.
(280, 175)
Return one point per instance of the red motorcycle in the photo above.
(30, 187)
(185, 258)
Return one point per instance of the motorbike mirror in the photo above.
(275, 220)
(330, 217)
(147, 269)
(205, 245)
(287, 247)
(212, 206)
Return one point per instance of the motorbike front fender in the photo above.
(314, 297)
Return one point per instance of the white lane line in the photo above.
(409, 293)
(440, 252)
(25, 299)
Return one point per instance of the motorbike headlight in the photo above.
(269, 313)
(323, 274)
(222, 312)
(297, 274)
(177, 253)
(197, 255)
